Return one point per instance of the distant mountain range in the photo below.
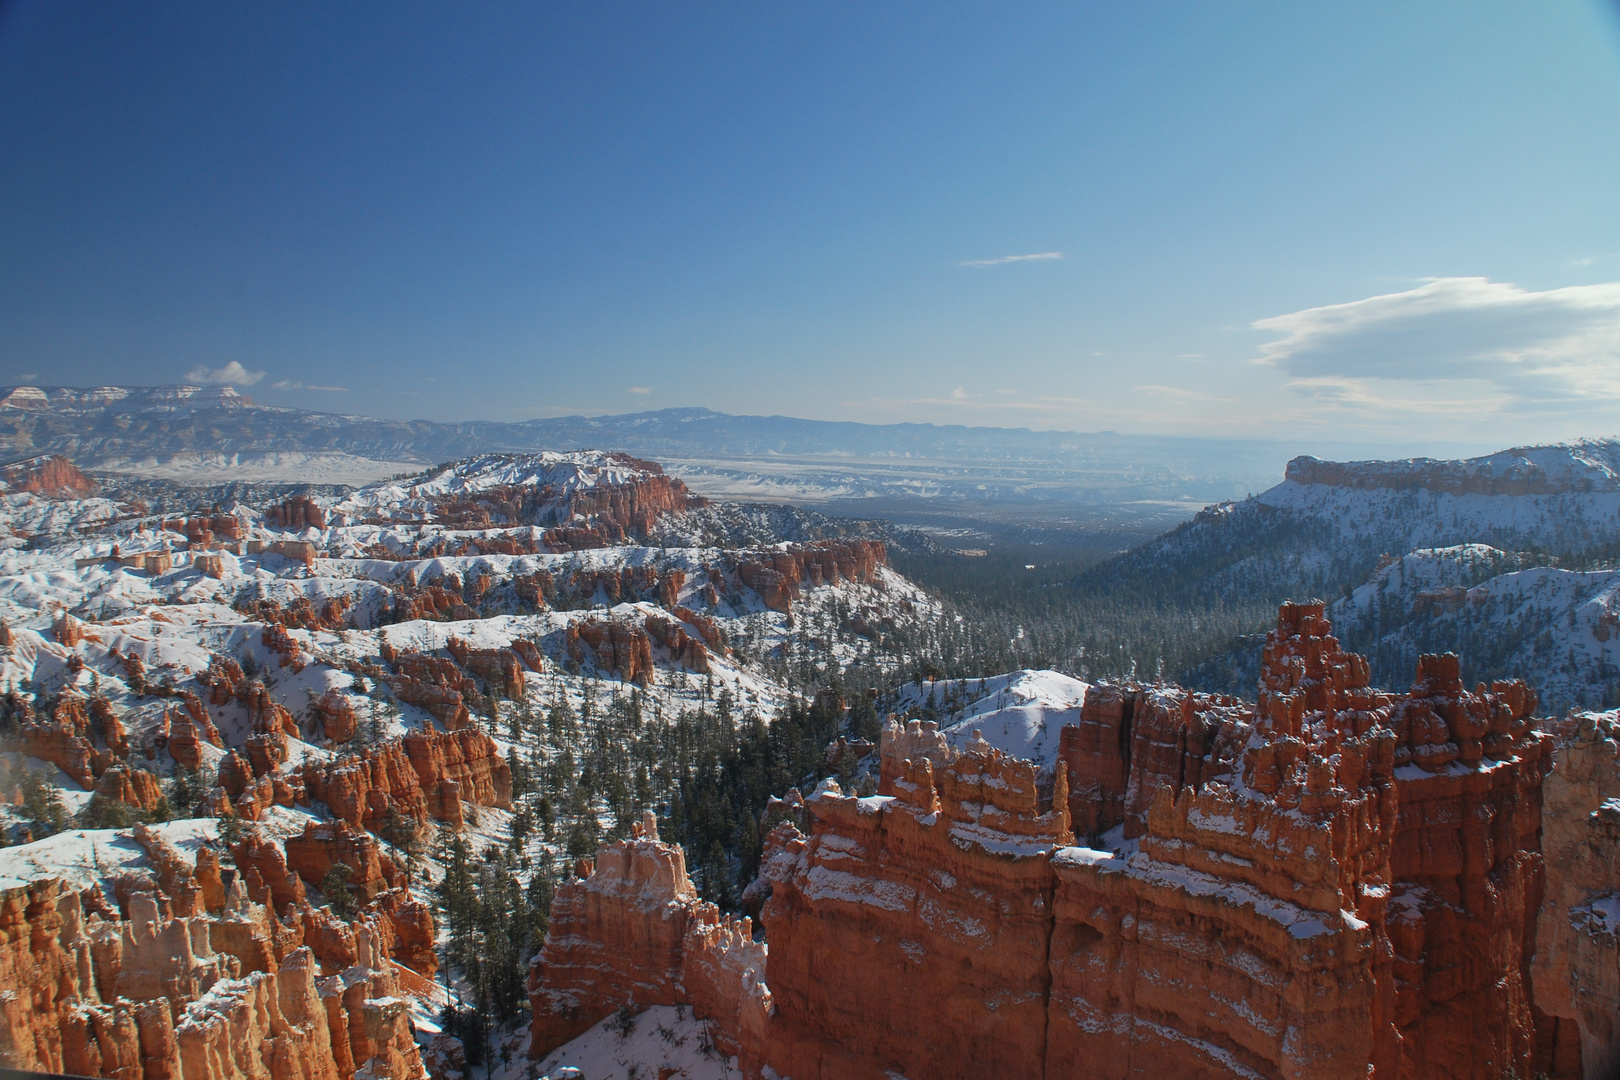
(214, 433)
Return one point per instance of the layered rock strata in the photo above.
(223, 991)
(629, 928)
(1331, 882)
(1576, 969)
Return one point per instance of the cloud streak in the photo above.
(1043, 256)
(1471, 342)
(291, 384)
(232, 373)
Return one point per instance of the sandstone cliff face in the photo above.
(779, 575)
(948, 893)
(422, 775)
(1576, 967)
(54, 475)
(297, 514)
(1505, 473)
(621, 647)
(615, 936)
(1332, 882)
(198, 983)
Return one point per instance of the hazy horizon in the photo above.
(1377, 227)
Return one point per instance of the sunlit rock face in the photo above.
(1330, 882)
(198, 981)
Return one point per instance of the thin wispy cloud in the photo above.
(291, 384)
(233, 374)
(639, 390)
(1471, 342)
(1042, 256)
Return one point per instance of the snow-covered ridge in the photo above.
(563, 473)
(1580, 466)
(1021, 713)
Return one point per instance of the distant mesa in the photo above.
(1587, 465)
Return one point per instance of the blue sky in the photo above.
(1393, 222)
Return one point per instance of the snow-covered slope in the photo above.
(663, 1041)
(1021, 713)
(1501, 559)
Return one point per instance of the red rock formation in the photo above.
(779, 575)
(615, 936)
(313, 853)
(52, 475)
(57, 744)
(414, 932)
(336, 714)
(436, 684)
(899, 746)
(296, 514)
(707, 628)
(947, 891)
(684, 649)
(264, 871)
(222, 677)
(529, 653)
(136, 787)
(500, 668)
(334, 613)
(268, 717)
(184, 745)
(620, 647)
(364, 789)
(275, 638)
(459, 766)
(424, 774)
(1308, 895)
(1576, 968)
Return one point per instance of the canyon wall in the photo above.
(1330, 882)
(1576, 968)
(188, 979)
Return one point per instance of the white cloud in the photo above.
(233, 373)
(639, 390)
(1472, 343)
(1044, 256)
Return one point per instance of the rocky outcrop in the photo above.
(619, 646)
(946, 890)
(224, 992)
(336, 714)
(456, 767)
(52, 475)
(779, 575)
(434, 683)
(1576, 968)
(421, 775)
(501, 669)
(630, 928)
(615, 936)
(367, 788)
(901, 746)
(135, 787)
(296, 514)
(1332, 882)
(684, 649)
(1510, 472)
(324, 844)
